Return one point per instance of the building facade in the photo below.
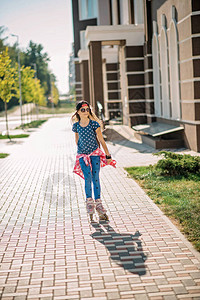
(71, 67)
(140, 60)
(176, 65)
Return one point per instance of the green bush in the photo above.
(178, 164)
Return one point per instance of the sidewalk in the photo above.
(49, 250)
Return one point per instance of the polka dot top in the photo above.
(87, 142)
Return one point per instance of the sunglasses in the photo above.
(85, 109)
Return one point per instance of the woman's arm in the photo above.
(103, 143)
(76, 137)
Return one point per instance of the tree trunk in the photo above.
(31, 111)
(25, 113)
(37, 110)
(6, 113)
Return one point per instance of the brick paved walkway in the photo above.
(49, 250)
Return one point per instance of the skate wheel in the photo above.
(103, 217)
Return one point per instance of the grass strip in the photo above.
(17, 136)
(177, 196)
(33, 124)
(3, 155)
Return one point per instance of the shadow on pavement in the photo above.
(116, 138)
(18, 141)
(139, 147)
(56, 182)
(125, 249)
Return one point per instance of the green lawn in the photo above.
(17, 136)
(177, 196)
(3, 155)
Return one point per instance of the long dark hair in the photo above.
(78, 106)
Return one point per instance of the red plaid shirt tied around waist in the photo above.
(86, 158)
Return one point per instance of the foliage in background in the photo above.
(7, 81)
(39, 97)
(2, 40)
(55, 94)
(27, 84)
(33, 57)
(62, 108)
(178, 164)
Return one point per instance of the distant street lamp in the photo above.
(19, 71)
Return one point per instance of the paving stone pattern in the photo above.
(49, 249)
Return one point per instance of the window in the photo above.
(83, 40)
(88, 9)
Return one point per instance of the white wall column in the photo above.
(156, 71)
(164, 70)
(123, 82)
(138, 12)
(106, 114)
(114, 12)
(124, 12)
(174, 71)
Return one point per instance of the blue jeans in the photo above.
(91, 177)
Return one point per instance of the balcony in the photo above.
(133, 35)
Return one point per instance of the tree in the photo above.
(12, 52)
(7, 81)
(34, 55)
(2, 40)
(39, 93)
(55, 94)
(27, 84)
(32, 90)
(27, 78)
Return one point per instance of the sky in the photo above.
(46, 22)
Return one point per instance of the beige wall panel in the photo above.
(184, 29)
(186, 70)
(191, 136)
(188, 113)
(187, 91)
(185, 50)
